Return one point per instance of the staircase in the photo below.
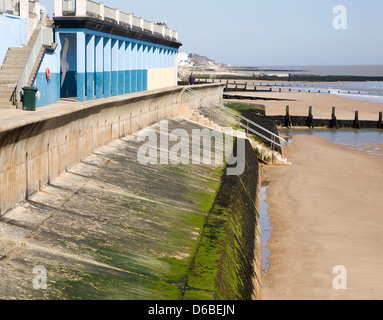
(220, 118)
(11, 69)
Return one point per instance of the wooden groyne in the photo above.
(288, 78)
(240, 97)
(309, 121)
(255, 86)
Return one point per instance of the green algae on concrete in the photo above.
(113, 229)
(199, 295)
(225, 260)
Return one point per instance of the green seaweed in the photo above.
(198, 295)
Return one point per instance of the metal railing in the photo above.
(225, 116)
(43, 38)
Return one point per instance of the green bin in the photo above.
(29, 98)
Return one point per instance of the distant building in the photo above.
(183, 60)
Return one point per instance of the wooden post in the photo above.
(288, 123)
(380, 123)
(334, 123)
(356, 121)
(310, 118)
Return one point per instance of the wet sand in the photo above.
(322, 104)
(325, 211)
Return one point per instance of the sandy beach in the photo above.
(322, 104)
(325, 211)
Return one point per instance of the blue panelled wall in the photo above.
(88, 65)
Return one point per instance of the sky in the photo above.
(269, 32)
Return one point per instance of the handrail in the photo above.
(44, 37)
(235, 115)
(273, 142)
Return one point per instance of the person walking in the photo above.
(192, 79)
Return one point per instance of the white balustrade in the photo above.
(84, 7)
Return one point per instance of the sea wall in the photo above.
(302, 121)
(228, 261)
(36, 147)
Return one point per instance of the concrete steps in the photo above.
(5, 87)
(9, 74)
(7, 105)
(4, 95)
(11, 69)
(268, 156)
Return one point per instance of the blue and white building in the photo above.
(101, 52)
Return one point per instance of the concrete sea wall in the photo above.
(37, 147)
(228, 262)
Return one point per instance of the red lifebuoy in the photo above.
(48, 73)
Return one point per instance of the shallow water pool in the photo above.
(368, 140)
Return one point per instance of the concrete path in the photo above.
(109, 228)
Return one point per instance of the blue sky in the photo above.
(269, 32)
